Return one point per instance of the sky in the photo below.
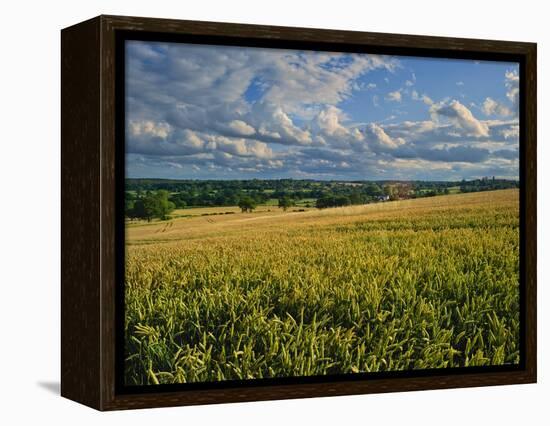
(224, 112)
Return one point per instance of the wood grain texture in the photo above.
(108, 215)
(89, 167)
(325, 36)
(80, 213)
(247, 394)
(529, 141)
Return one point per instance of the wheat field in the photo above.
(413, 284)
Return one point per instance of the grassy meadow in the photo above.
(412, 284)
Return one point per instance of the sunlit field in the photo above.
(216, 294)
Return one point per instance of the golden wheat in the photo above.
(425, 283)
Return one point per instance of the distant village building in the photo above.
(383, 198)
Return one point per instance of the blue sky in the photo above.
(218, 112)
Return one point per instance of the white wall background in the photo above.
(30, 212)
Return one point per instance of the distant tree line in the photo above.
(147, 199)
(206, 197)
(332, 201)
(487, 184)
(208, 193)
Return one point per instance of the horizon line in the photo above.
(328, 180)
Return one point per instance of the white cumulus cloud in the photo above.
(492, 107)
(394, 96)
(461, 117)
(241, 127)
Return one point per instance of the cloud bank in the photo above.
(196, 111)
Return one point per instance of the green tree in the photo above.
(373, 190)
(153, 204)
(149, 207)
(141, 210)
(391, 191)
(179, 201)
(285, 203)
(357, 198)
(246, 204)
(341, 200)
(162, 206)
(128, 207)
(332, 201)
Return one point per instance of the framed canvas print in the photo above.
(254, 212)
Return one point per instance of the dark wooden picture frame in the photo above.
(91, 170)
